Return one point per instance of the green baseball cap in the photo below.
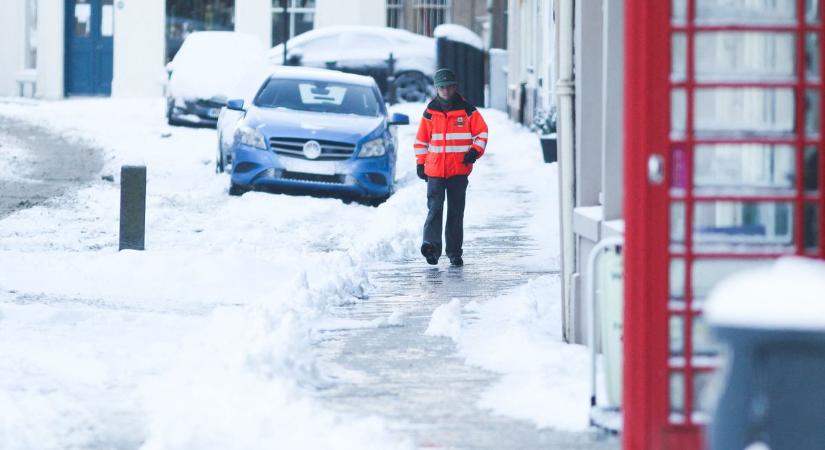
(444, 77)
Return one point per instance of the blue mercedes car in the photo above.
(312, 131)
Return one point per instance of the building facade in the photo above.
(58, 48)
(530, 43)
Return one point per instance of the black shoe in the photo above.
(456, 261)
(428, 250)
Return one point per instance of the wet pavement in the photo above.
(419, 382)
(36, 164)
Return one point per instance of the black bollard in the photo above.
(132, 207)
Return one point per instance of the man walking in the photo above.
(451, 137)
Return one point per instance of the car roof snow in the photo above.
(318, 74)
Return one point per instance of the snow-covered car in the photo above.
(210, 67)
(315, 131)
(366, 50)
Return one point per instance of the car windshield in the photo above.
(319, 96)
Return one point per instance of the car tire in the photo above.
(237, 190)
(412, 87)
(376, 201)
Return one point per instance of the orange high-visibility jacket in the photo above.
(446, 135)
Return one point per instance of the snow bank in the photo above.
(446, 320)
(788, 294)
(458, 33)
(205, 339)
(519, 335)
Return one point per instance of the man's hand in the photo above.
(471, 156)
(419, 169)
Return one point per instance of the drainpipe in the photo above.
(565, 91)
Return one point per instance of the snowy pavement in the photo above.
(220, 335)
(37, 165)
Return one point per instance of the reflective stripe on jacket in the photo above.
(445, 135)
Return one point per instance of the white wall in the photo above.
(139, 48)
(12, 44)
(50, 48)
(255, 17)
(362, 12)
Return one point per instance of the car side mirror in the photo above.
(235, 105)
(399, 119)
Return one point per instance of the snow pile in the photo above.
(237, 385)
(519, 335)
(205, 337)
(788, 294)
(446, 320)
(458, 33)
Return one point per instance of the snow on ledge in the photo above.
(788, 294)
(458, 33)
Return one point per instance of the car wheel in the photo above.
(412, 87)
(237, 190)
(377, 201)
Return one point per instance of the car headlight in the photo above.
(373, 148)
(251, 137)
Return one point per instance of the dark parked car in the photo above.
(366, 50)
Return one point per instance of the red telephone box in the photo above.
(723, 171)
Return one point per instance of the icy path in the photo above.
(420, 382)
(36, 165)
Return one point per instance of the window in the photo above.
(395, 13)
(300, 18)
(31, 34)
(319, 96)
(184, 17)
(429, 14)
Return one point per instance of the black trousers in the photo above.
(455, 189)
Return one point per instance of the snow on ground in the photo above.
(519, 335)
(205, 339)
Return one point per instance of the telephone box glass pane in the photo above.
(708, 272)
(744, 112)
(703, 343)
(811, 226)
(678, 113)
(812, 112)
(811, 165)
(812, 57)
(677, 278)
(743, 227)
(677, 222)
(677, 335)
(677, 396)
(738, 56)
(679, 12)
(744, 169)
(678, 57)
(812, 11)
(745, 11)
(703, 395)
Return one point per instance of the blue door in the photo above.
(89, 31)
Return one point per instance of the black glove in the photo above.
(419, 169)
(471, 156)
